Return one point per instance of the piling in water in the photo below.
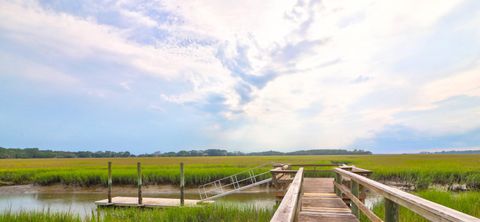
(139, 171)
(182, 185)
(109, 182)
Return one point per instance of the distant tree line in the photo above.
(454, 152)
(19, 153)
(220, 152)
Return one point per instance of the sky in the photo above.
(143, 76)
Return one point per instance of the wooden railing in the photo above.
(315, 168)
(279, 173)
(393, 199)
(282, 172)
(290, 206)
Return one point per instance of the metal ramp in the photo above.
(231, 184)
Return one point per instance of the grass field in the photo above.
(418, 169)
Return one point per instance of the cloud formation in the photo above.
(253, 75)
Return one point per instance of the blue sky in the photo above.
(145, 76)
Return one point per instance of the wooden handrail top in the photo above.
(279, 165)
(360, 170)
(313, 165)
(287, 208)
(428, 209)
(283, 171)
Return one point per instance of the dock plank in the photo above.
(319, 203)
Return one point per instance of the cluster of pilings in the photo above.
(140, 184)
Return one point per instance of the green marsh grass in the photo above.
(420, 170)
(185, 214)
(35, 216)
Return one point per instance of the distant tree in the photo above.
(216, 152)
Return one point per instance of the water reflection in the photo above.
(83, 203)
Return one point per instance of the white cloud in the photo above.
(465, 82)
(363, 46)
(63, 35)
(298, 60)
(139, 18)
(76, 37)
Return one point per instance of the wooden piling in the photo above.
(109, 182)
(139, 171)
(338, 179)
(391, 211)
(355, 191)
(182, 185)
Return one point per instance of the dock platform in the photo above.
(147, 202)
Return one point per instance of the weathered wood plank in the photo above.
(288, 207)
(320, 203)
(305, 194)
(309, 217)
(327, 209)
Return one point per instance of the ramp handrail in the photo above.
(232, 183)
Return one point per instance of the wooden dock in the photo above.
(140, 201)
(147, 202)
(306, 199)
(342, 199)
(320, 203)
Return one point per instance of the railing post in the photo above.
(109, 182)
(338, 179)
(361, 193)
(182, 185)
(139, 171)
(355, 189)
(391, 211)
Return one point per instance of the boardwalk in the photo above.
(320, 203)
(322, 199)
(306, 199)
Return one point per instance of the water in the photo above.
(83, 203)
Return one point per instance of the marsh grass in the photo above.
(35, 216)
(421, 170)
(200, 214)
(184, 214)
